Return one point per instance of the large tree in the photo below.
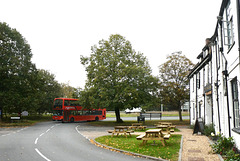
(118, 77)
(22, 86)
(68, 91)
(16, 70)
(46, 88)
(174, 81)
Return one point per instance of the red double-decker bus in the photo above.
(69, 110)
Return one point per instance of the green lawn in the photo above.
(169, 151)
(129, 123)
(25, 121)
(165, 113)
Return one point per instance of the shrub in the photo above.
(225, 147)
(231, 155)
(209, 129)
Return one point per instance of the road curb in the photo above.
(180, 150)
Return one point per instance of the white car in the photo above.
(134, 110)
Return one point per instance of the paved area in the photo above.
(195, 147)
(54, 141)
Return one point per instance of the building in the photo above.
(214, 81)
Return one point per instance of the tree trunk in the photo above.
(180, 113)
(117, 113)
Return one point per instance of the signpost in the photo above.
(199, 127)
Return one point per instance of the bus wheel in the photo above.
(96, 119)
(72, 119)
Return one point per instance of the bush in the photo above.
(209, 129)
(232, 155)
(225, 147)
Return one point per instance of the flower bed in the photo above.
(225, 147)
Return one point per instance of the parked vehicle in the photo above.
(68, 110)
(134, 110)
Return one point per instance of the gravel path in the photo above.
(196, 147)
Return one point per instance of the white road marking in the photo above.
(81, 133)
(42, 155)
(36, 141)
(77, 129)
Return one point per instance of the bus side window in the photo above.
(66, 103)
(73, 113)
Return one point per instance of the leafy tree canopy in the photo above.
(69, 91)
(174, 81)
(16, 69)
(118, 77)
(22, 86)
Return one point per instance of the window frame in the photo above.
(235, 103)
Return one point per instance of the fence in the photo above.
(151, 115)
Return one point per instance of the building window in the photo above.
(198, 81)
(193, 83)
(208, 73)
(228, 27)
(236, 113)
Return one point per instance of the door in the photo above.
(66, 116)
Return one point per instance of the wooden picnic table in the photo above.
(166, 126)
(153, 134)
(137, 126)
(120, 130)
(163, 128)
(165, 123)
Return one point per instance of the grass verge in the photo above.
(147, 123)
(25, 121)
(165, 113)
(169, 151)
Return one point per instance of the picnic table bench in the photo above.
(172, 127)
(137, 126)
(121, 130)
(165, 123)
(153, 134)
(162, 125)
(164, 128)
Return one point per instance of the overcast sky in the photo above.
(59, 31)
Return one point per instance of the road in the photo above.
(135, 118)
(50, 141)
